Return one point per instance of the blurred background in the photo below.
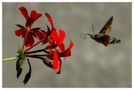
(91, 64)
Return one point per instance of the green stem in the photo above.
(9, 59)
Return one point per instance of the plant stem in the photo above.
(9, 59)
(35, 55)
(41, 50)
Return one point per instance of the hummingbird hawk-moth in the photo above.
(103, 36)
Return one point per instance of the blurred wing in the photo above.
(107, 27)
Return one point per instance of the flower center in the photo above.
(50, 39)
(28, 28)
(21, 54)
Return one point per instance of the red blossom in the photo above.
(54, 49)
(26, 31)
(57, 61)
(57, 41)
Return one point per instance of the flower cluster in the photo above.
(53, 51)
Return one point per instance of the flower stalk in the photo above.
(9, 59)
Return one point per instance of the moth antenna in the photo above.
(93, 28)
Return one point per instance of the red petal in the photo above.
(54, 35)
(62, 47)
(29, 23)
(24, 12)
(20, 32)
(60, 66)
(55, 63)
(71, 45)
(51, 46)
(62, 35)
(34, 16)
(50, 20)
(67, 52)
(39, 34)
(20, 26)
(29, 40)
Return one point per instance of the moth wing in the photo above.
(107, 27)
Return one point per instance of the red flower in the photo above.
(27, 32)
(56, 46)
(57, 49)
(51, 55)
(53, 34)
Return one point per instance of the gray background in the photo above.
(91, 63)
